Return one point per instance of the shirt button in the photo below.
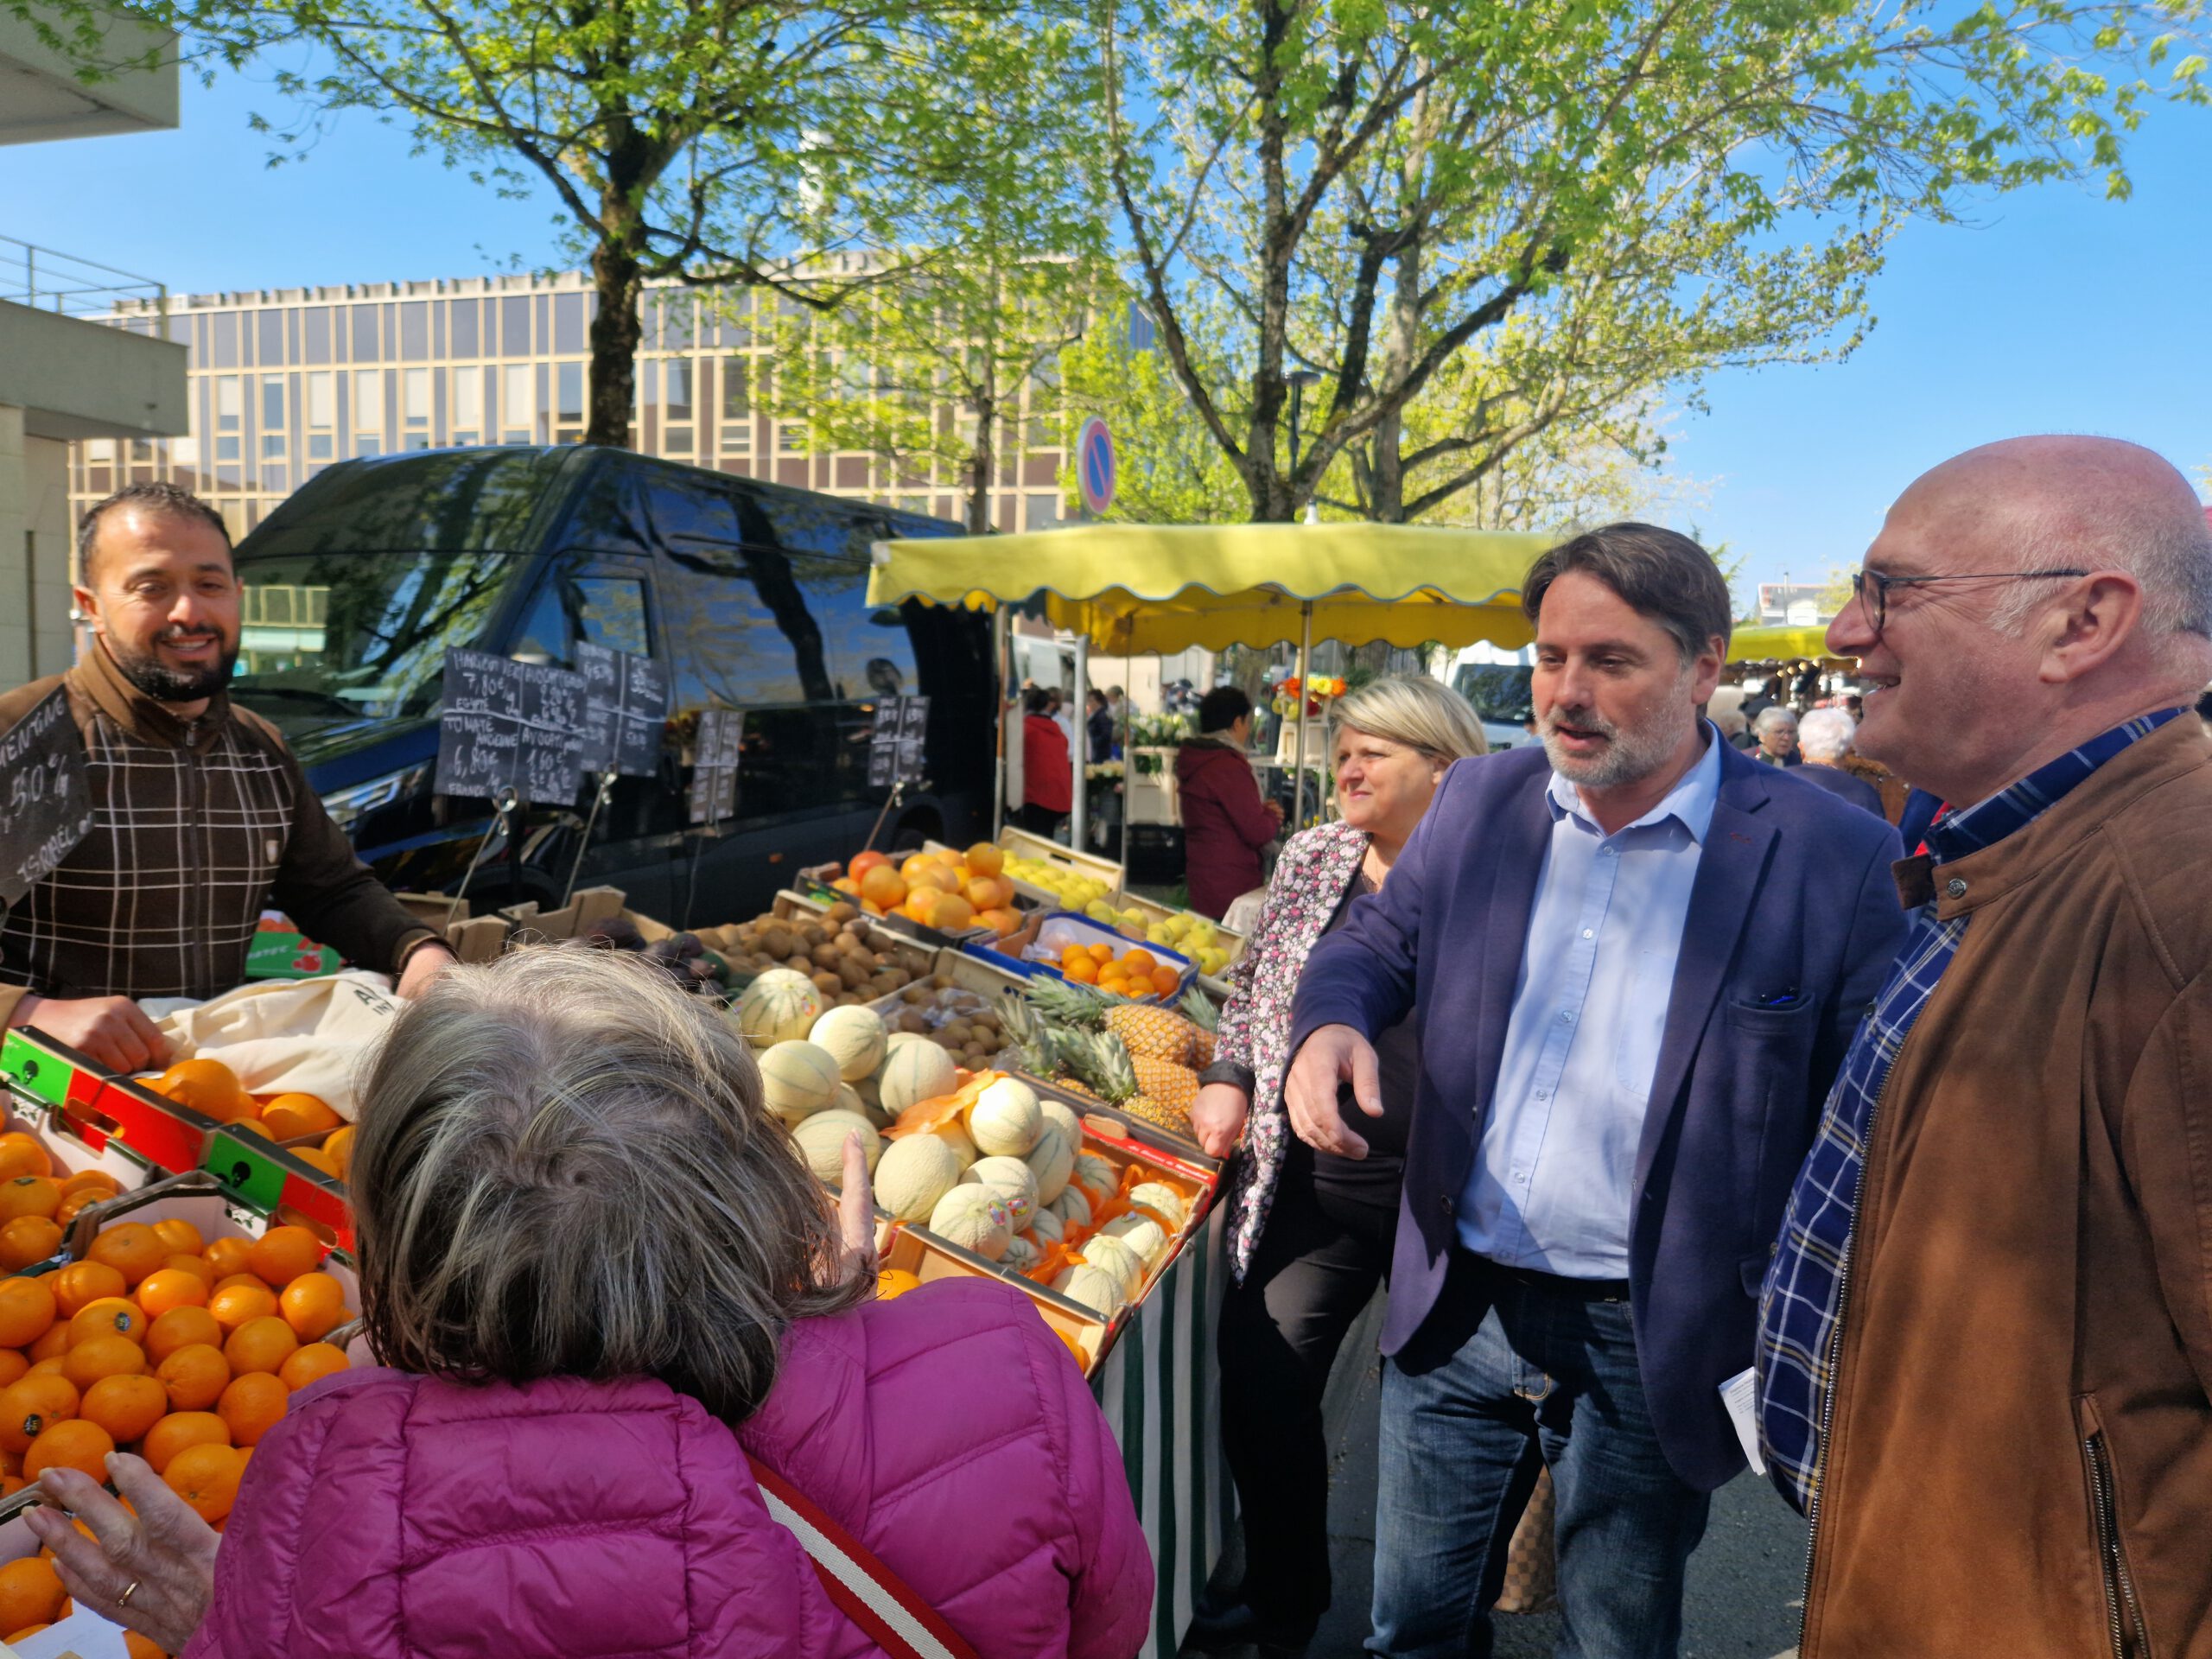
(1444, 1203)
(1589, 932)
(1543, 1094)
(1956, 888)
(1567, 1016)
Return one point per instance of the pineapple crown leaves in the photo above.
(1062, 1003)
(1199, 1008)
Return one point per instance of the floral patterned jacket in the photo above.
(1317, 867)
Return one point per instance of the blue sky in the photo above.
(2054, 310)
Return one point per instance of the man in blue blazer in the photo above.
(1635, 959)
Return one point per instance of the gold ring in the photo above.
(132, 1589)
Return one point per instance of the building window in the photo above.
(791, 437)
(1040, 512)
(365, 334)
(677, 408)
(230, 416)
(415, 330)
(517, 404)
(568, 391)
(273, 425)
(368, 412)
(315, 326)
(468, 406)
(567, 323)
(736, 406)
(415, 408)
(322, 388)
(461, 327)
(514, 326)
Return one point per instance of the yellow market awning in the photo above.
(1136, 589)
(1780, 643)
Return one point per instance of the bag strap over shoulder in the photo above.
(864, 1589)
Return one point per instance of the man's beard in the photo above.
(1631, 753)
(165, 685)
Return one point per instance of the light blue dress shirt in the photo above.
(1555, 1169)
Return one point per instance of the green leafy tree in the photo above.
(1567, 203)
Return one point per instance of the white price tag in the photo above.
(1740, 1395)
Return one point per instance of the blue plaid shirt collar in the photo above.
(2019, 803)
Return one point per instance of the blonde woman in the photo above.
(622, 1317)
(1309, 1232)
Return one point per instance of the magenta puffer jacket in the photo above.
(393, 1516)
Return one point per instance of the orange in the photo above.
(85, 1180)
(72, 1444)
(126, 1407)
(181, 1327)
(21, 1155)
(863, 862)
(30, 1593)
(1140, 961)
(282, 1253)
(171, 1288)
(87, 1361)
(180, 1429)
(1083, 970)
(14, 1368)
(313, 1159)
(251, 1280)
(206, 1478)
(110, 1316)
(135, 1646)
(14, 1637)
(131, 1248)
(312, 1363)
(206, 1086)
(28, 1407)
(82, 1283)
(252, 1126)
(52, 1345)
(182, 1237)
(289, 1117)
(252, 1405)
(26, 1311)
(28, 1239)
(29, 1195)
(985, 858)
(233, 1304)
(53, 1367)
(195, 1376)
(313, 1305)
(1165, 979)
(339, 1149)
(225, 1256)
(72, 1203)
(258, 1345)
(884, 886)
(195, 1265)
(11, 1485)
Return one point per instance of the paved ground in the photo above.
(1745, 1582)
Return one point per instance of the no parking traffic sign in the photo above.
(1094, 464)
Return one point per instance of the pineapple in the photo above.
(1029, 1045)
(1207, 1018)
(1149, 1032)
(1066, 1004)
(1152, 1091)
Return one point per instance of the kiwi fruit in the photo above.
(825, 956)
(828, 984)
(911, 1021)
(840, 911)
(775, 940)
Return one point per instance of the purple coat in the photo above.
(393, 1516)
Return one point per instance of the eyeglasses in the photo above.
(1878, 605)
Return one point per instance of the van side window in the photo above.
(607, 611)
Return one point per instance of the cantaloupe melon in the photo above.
(1095, 1177)
(1044, 1226)
(1099, 1292)
(1051, 1161)
(913, 1174)
(1164, 1201)
(854, 1038)
(1010, 1179)
(821, 1140)
(1072, 1207)
(1112, 1255)
(1020, 1254)
(1005, 1120)
(953, 1136)
(1140, 1233)
(798, 1080)
(915, 1071)
(975, 1219)
(1059, 1112)
(779, 1006)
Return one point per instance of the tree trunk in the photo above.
(616, 329)
(983, 461)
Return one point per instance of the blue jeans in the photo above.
(1504, 1373)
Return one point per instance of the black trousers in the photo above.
(1038, 820)
(1325, 1249)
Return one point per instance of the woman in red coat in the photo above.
(1048, 778)
(1225, 824)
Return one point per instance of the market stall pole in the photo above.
(1080, 794)
(1305, 674)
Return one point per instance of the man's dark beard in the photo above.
(166, 684)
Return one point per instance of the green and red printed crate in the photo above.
(78, 1100)
(280, 951)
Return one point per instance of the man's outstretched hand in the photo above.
(113, 1030)
(1332, 1055)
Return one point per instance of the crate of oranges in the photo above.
(172, 1329)
(309, 1128)
(1090, 953)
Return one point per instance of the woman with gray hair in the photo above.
(1309, 1232)
(636, 1363)
(1824, 738)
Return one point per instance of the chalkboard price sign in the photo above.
(45, 800)
(894, 754)
(625, 707)
(510, 724)
(713, 770)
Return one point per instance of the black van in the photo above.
(753, 596)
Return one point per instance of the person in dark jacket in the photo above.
(1823, 739)
(1776, 730)
(1225, 821)
(1098, 728)
(1047, 779)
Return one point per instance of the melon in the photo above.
(974, 1217)
(1020, 1254)
(1010, 1179)
(821, 1140)
(779, 1006)
(1164, 1201)
(915, 1072)
(1044, 1226)
(913, 1174)
(1005, 1120)
(798, 1080)
(1140, 1232)
(1112, 1255)
(1051, 1161)
(1059, 1112)
(953, 1136)
(1095, 1177)
(853, 1037)
(1099, 1292)
(1072, 1207)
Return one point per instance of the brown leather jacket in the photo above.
(2020, 1460)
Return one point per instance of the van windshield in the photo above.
(353, 636)
(1499, 691)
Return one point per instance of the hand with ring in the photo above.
(152, 1572)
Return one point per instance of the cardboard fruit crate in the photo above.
(73, 1098)
(1041, 954)
(1020, 844)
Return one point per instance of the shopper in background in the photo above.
(592, 1255)
(1824, 742)
(1047, 777)
(1985, 1342)
(1225, 824)
(1309, 1233)
(1098, 726)
(1777, 731)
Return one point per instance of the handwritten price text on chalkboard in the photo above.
(46, 803)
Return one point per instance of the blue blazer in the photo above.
(1793, 894)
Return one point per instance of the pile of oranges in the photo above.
(184, 1349)
(1135, 973)
(210, 1087)
(952, 891)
